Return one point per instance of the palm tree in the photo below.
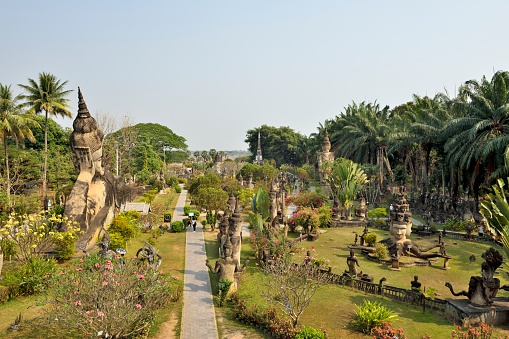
(15, 125)
(47, 95)
(477, 141)
(363, 134)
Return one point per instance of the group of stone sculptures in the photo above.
(229, 239)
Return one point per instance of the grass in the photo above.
(339, 301)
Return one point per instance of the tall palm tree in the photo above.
(477, 141)
(49, 96)
(364, 136)
(13, 124)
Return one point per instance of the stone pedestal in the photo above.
(446, 264)
(466, 314)
(395, 265)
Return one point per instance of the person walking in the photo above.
(194, 225)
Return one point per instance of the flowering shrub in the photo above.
(307, 199)
(386, 331)
(37, 233)
(483, 331)
(102, 296)
(267, 318)
(305, 217)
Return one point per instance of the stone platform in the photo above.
(465, 314)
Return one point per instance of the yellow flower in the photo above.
(34, 246)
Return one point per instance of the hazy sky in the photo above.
(211, 70)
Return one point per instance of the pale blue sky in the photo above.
(211, 70)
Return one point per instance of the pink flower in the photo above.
(106, 274)
(62, 272)
(100, 314)
(141, 276)
(160, 272)
(138, 306)
(79, 269)
(76, 292)
(175, 277)
(81, 261)
(97, 265)
(88, 312)
(105, 283)
(75, 283)
(77, 303)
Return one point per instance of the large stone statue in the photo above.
(92, 200)
(227, 267)
(324, 156)
(482, 290)
(401, 228)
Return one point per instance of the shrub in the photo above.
(124, 225)
(4, 294)
(370, 239)
(309, 333)
(29, 277)
(386, 330)
(65, 243)
(177, 226)
(116, 241)
(178, 189)
(211, 218)
(371, 314)
(187, 209)
(379, 212)
(223, 286)
(8, 247)
(381, 251)
(481, 332)
(116, 299)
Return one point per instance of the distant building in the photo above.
(141, 207)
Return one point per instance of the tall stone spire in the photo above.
(259, 159)
(326, 142)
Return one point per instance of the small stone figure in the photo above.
(416, 285)
(442, 249)
(352, 262)
(105, 251)
(356, 238)
(149, 254)
(364, 233)
(439, 238)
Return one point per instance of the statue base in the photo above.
(464, 313)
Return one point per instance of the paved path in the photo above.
(198, 315)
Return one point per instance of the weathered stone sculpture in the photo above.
(482, 290)
(324, 156)
(228, 267)
(360, 212)
(92, 200)
(149, 255)
(401, 228)
(352, 263)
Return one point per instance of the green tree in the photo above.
(346, 179)
(476, 142)
(281, 144)
(49, 96)
(14, 125)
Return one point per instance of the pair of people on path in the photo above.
(191, 222)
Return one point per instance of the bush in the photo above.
(381, 251)
(116, 299)
(481, 332)
(65, 243)
(8, 247)
(386, 330)
(187, 209)
(371, 314)
(178, 189)
(124, 225)
(379, 212)
(116, 241)
(30, 277)
(4, 294)
(370, 239)
(309, 333)
(177, 226)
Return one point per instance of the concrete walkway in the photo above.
(198, 315)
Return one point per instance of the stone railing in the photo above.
(395, 293)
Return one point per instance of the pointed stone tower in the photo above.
(325, 155)
(258, 159)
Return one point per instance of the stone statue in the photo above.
(352, 263)
(227, 267)
(92, 200)
(482, 289)
(416, 285)
(360, 212)
(401, 228)
(104, 245)
(149, 254)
